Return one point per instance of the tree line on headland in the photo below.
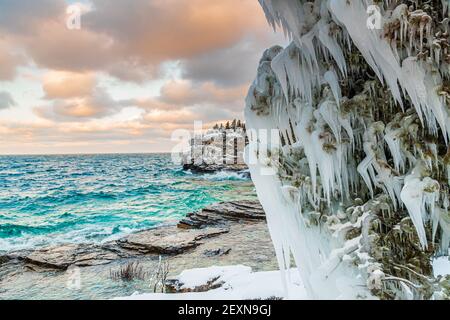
(235, 124)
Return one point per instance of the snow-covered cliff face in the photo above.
(361, 197)
(216, 147)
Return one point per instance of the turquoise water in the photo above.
(47, 200)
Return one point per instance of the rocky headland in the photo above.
(218, 149)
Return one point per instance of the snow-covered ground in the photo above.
(239, 283)
(441, 266)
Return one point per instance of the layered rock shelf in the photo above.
(190, 233)
(223, 213)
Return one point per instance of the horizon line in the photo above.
(79, 154)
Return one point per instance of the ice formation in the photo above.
(361, 195)
(228, 283)
(209, 148)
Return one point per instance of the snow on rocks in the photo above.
(228, 283)
(216, 150)
(441, 266)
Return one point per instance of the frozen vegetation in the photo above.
(361, 195)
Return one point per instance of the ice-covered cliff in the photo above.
(361, 194)
(216, 149)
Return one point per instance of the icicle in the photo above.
(419, 195)
(338, 144)
(332, 79)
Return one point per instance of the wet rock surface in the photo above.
(168, 240)
(217, 252)
(191, 232)
(62, 257)
(213, 168)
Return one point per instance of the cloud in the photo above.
(61, 85)
(53, 46)
(8, 62)
(126, 39)
(96, 105)
(24, 16)
(161, 30)
(214, 46)
(185, 117)
(132, 70)
(6, 100)
(185, 92)
(149, 104)
(75, 97)
(226, 67)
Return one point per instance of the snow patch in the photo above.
(239, 283)
(441, 266)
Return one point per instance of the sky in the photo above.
(132, 73)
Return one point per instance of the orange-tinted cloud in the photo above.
(74, 97)
(8, 62)
(54, 46)
(158, 30)
(129, 39)
(216, 45)
(62, 85)
(97, 104)
(184, 92)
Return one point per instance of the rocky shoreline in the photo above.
(194, 231)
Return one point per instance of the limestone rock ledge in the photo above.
(223, 213)
(212, 221)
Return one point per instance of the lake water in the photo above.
(46, 200)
